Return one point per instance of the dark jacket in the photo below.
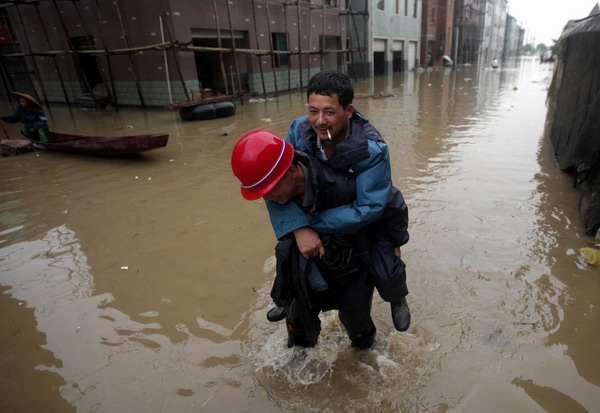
(31, 118)
(346, 254)
(334, 188)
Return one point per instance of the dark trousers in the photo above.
(387, 270)
(356, 319)
(352, 296)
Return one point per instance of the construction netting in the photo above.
(573, 118)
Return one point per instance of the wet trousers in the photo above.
(387, 270)
(309, 289)
(40, 135)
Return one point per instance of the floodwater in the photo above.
(141, 284)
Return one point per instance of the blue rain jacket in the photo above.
(33, 118)
(365, 154)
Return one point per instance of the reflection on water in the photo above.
(100, 352)
(141, 284)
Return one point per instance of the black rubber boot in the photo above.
(276, 314)
(401, 315)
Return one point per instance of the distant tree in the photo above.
(528, 48)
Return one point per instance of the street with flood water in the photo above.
(141, 284)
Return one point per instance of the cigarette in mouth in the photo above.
(329, 134)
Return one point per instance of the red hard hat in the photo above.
(259, 160)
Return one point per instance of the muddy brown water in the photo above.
(141, 284)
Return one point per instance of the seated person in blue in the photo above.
(30, 113)
(339, 279)
(338, 135)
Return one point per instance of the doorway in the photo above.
(87, 65)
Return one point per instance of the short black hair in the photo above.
(329, 82)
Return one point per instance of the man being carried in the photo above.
(338, 135)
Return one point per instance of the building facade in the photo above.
(391, 34)
(492, 43)
(155, 52)
(437, 22)
(512, 46)
(468, 31)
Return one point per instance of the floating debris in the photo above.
(592, 255)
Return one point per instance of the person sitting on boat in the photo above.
(30, 113)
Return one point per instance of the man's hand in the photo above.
(309, 243)
(397, 252)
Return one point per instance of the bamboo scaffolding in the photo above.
(183, 47)
(176, 55)
(70, 42)
(176, 46)
(309, 39)
(4, 82)
(88, 38)
(287, 36)
(131, 59)
(222, 64)
(60, 78)
(235, 60)
(37, 72)
(262, 76)
(107, 57)
(322, 42)
(362, 62)
(300, 43)
(271, 47)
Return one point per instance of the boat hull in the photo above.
(104, 145)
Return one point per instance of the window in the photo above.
(280, 43)
(380, 4)
(406, 7)
(416, 6)
(397, 6)
(433, 15)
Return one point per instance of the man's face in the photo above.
(23, 102)
(284, 190)
(325, 113)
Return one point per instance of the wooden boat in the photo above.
(103, 145)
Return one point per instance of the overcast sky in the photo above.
(545, 19)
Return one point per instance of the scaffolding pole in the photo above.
(262, 76)
(37, 72)
(272, 56)
(221, 63)
(300, 43)
(235, 60)
(60, 78)
(107, 56)
(175, 54)
(131, 59)
(70, 42)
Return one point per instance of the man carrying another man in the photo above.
(339, 205)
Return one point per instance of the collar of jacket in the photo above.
(350, 151)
